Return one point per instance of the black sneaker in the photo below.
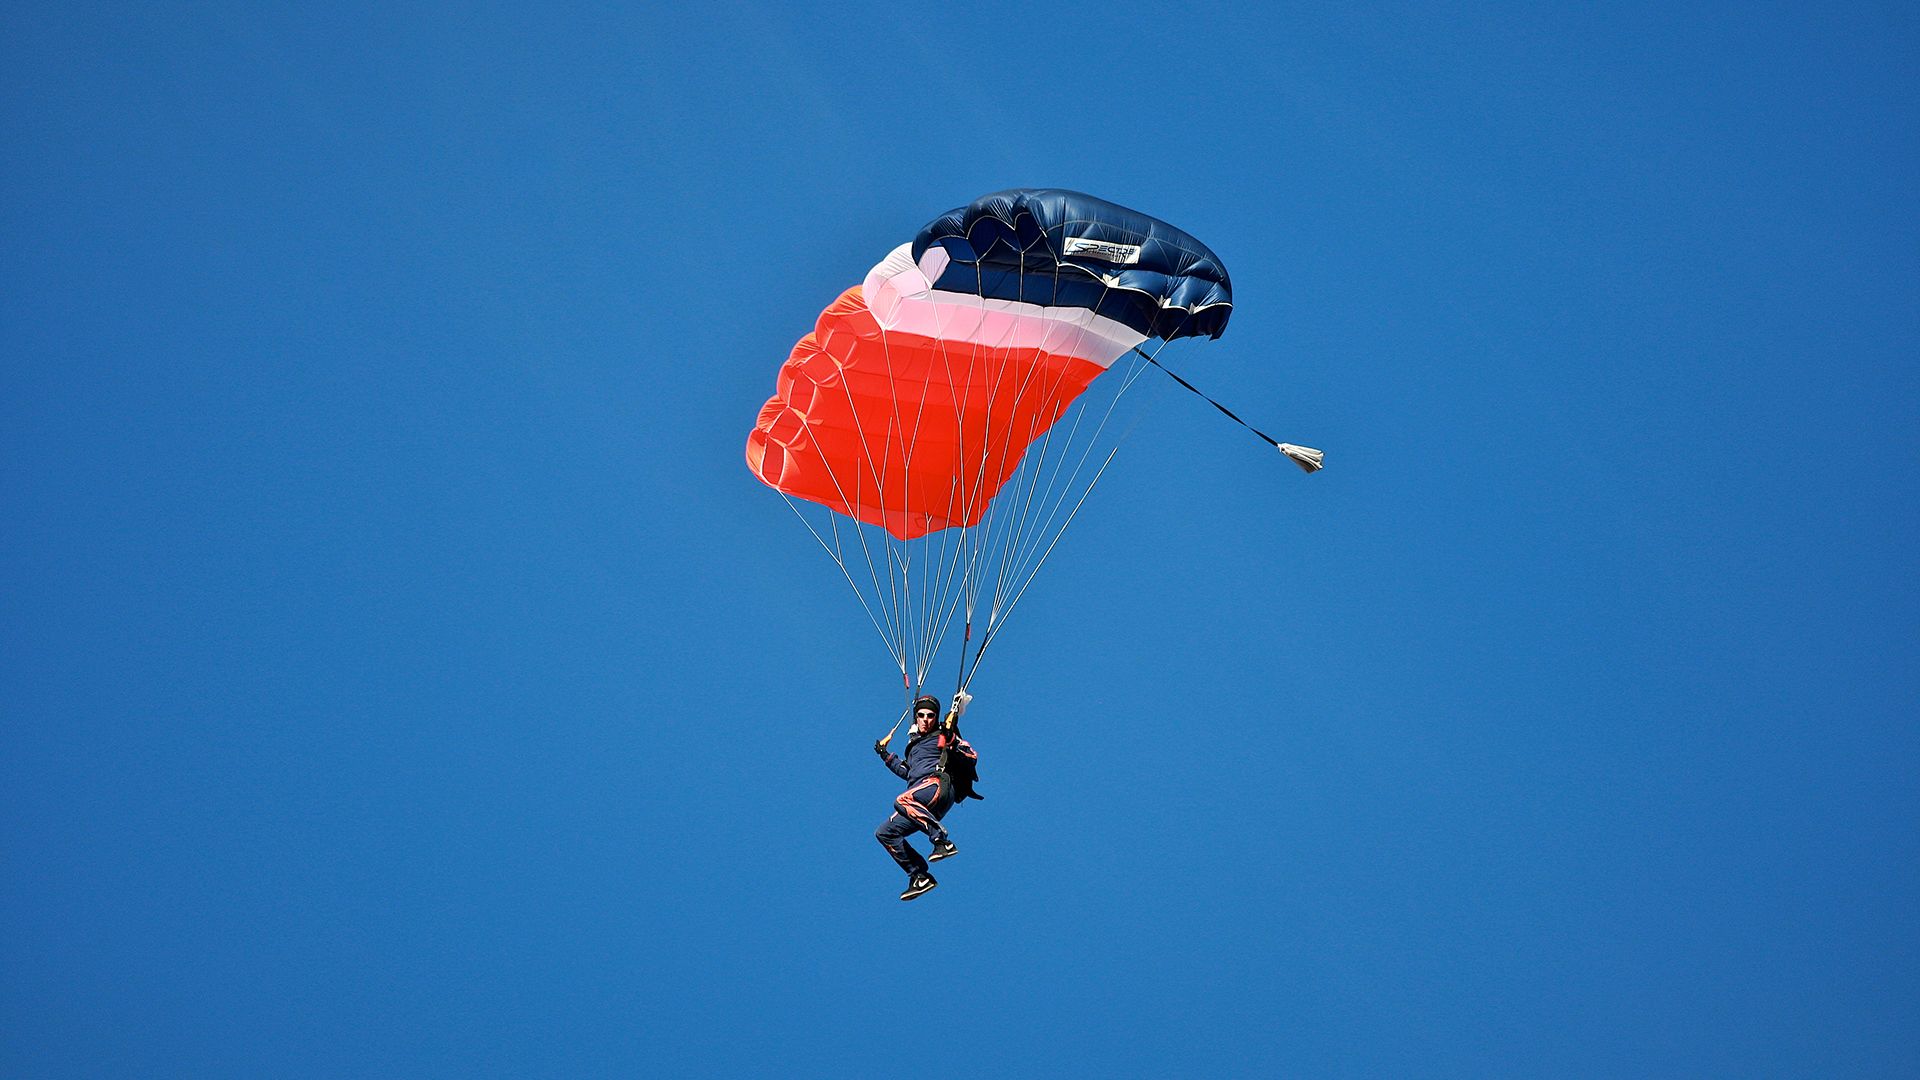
(920, 883)
(943, 849)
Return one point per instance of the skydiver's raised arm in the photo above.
(898, 767)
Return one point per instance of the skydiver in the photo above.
(931, 788)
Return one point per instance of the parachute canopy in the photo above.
(941, 421)
(911, 402)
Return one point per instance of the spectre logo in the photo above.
(1104, 250)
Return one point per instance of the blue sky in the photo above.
(405, 676)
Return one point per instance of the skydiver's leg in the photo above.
(893, 836)
(926, 803)
(943, 846)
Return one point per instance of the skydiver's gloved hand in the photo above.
(880, 746)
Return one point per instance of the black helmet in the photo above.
(927, 701)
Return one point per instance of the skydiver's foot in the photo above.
(942, 849)
(920, 883)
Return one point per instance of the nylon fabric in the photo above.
(911, 433)
(945, 420)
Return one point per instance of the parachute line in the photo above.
(1306, 457)
(841, 562)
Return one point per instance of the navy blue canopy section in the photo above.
(1061, 248)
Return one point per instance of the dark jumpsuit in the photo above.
(928, 797)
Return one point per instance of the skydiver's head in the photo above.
(926, 713)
